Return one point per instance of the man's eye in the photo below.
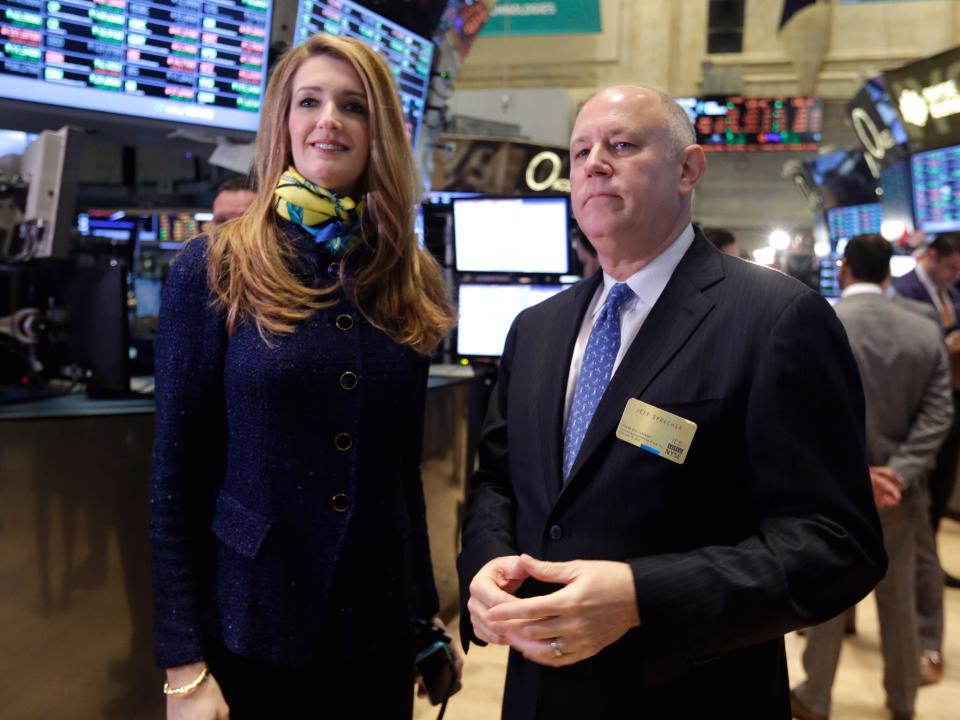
(581, 153)
(622, 145)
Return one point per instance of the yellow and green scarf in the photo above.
(333, 220)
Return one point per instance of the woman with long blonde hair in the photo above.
(288, 527)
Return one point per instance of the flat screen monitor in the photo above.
(185, 61)
(830, 277)
(410, 56)
(847, 222)
(936, 189)
(511, 235)
(897, 198)
(488, 310)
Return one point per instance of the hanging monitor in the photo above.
(199, 63)
(410, 56)
(847, 222)
(488, 310)
(936, 190)
(512, 235)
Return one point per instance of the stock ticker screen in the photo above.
(847, 222)
(199, 62)
(410, 56)
(936, 189)
(741, 123)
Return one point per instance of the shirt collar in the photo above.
(862, 288)
(928, 284)
(648, 282)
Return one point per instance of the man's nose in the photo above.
(596, 163)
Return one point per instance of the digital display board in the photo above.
(926, 94)
(201, 62)
(936, 189)
(409, 55)
(847, 222)
(741, 123)
(897, 197)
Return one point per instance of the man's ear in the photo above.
(693, 165)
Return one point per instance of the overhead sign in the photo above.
(927, 96)
(877, 124)
(532, 17)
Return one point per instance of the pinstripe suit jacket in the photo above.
(769, 524)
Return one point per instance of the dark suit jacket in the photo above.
(768, 526)
(909, 286)
(250, 549)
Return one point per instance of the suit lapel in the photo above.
(676, 315)
(556, 370)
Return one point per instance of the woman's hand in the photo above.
(204, 703)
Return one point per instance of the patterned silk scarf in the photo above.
(333, 220)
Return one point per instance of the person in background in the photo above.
(233, 197)
(671, 471)
(288, 527)
(723, 240)
(933, 282)
(586, 252)
(905, 372)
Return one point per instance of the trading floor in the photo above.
(857, 692)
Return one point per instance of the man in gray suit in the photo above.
(905, 371)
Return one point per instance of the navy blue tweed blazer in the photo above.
(286, 487)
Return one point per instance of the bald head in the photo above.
(679, 127)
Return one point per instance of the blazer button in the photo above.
(556, 532)
(333, 269)
(343, 441)
(340, 502)
(344, 322)
(348, 381)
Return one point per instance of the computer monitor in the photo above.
(847, 222)
(488, 310)
(512, 235)
(198, 63)
(936, 189)
(410, 56)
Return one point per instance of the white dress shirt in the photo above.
(862, 288)
(647, 285)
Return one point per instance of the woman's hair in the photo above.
(398, 287)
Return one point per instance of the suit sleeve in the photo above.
(914, 457)
(488, 528)
(426, 602)
(817, 547)
(191, 341)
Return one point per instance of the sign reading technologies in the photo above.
(927, 96)
(532, 17)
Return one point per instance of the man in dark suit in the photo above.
(672, 559)
(906, 381)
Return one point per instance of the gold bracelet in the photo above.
(189, 687)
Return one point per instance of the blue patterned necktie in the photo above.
(602, 349)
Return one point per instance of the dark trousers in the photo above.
(944, 472)
(377, 685)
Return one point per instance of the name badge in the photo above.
(656, 431)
